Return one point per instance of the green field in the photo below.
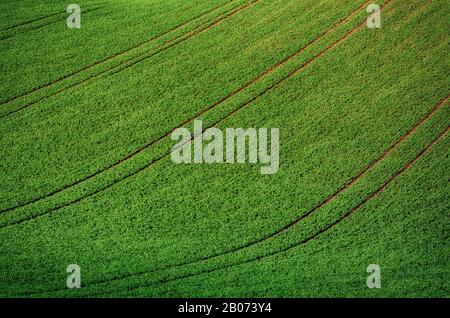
(86, 117)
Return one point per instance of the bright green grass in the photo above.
(335, 116)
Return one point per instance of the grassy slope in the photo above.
(152, 230)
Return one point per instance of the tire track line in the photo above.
(43, 25)
(372, 196)
(197, 115)
(195, 32)
(109, 58)
(29, 22)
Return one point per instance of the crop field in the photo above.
(88, 180)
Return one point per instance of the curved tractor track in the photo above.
(196, 30)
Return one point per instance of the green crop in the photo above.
(87, 178)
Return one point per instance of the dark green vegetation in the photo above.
(86, 179)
